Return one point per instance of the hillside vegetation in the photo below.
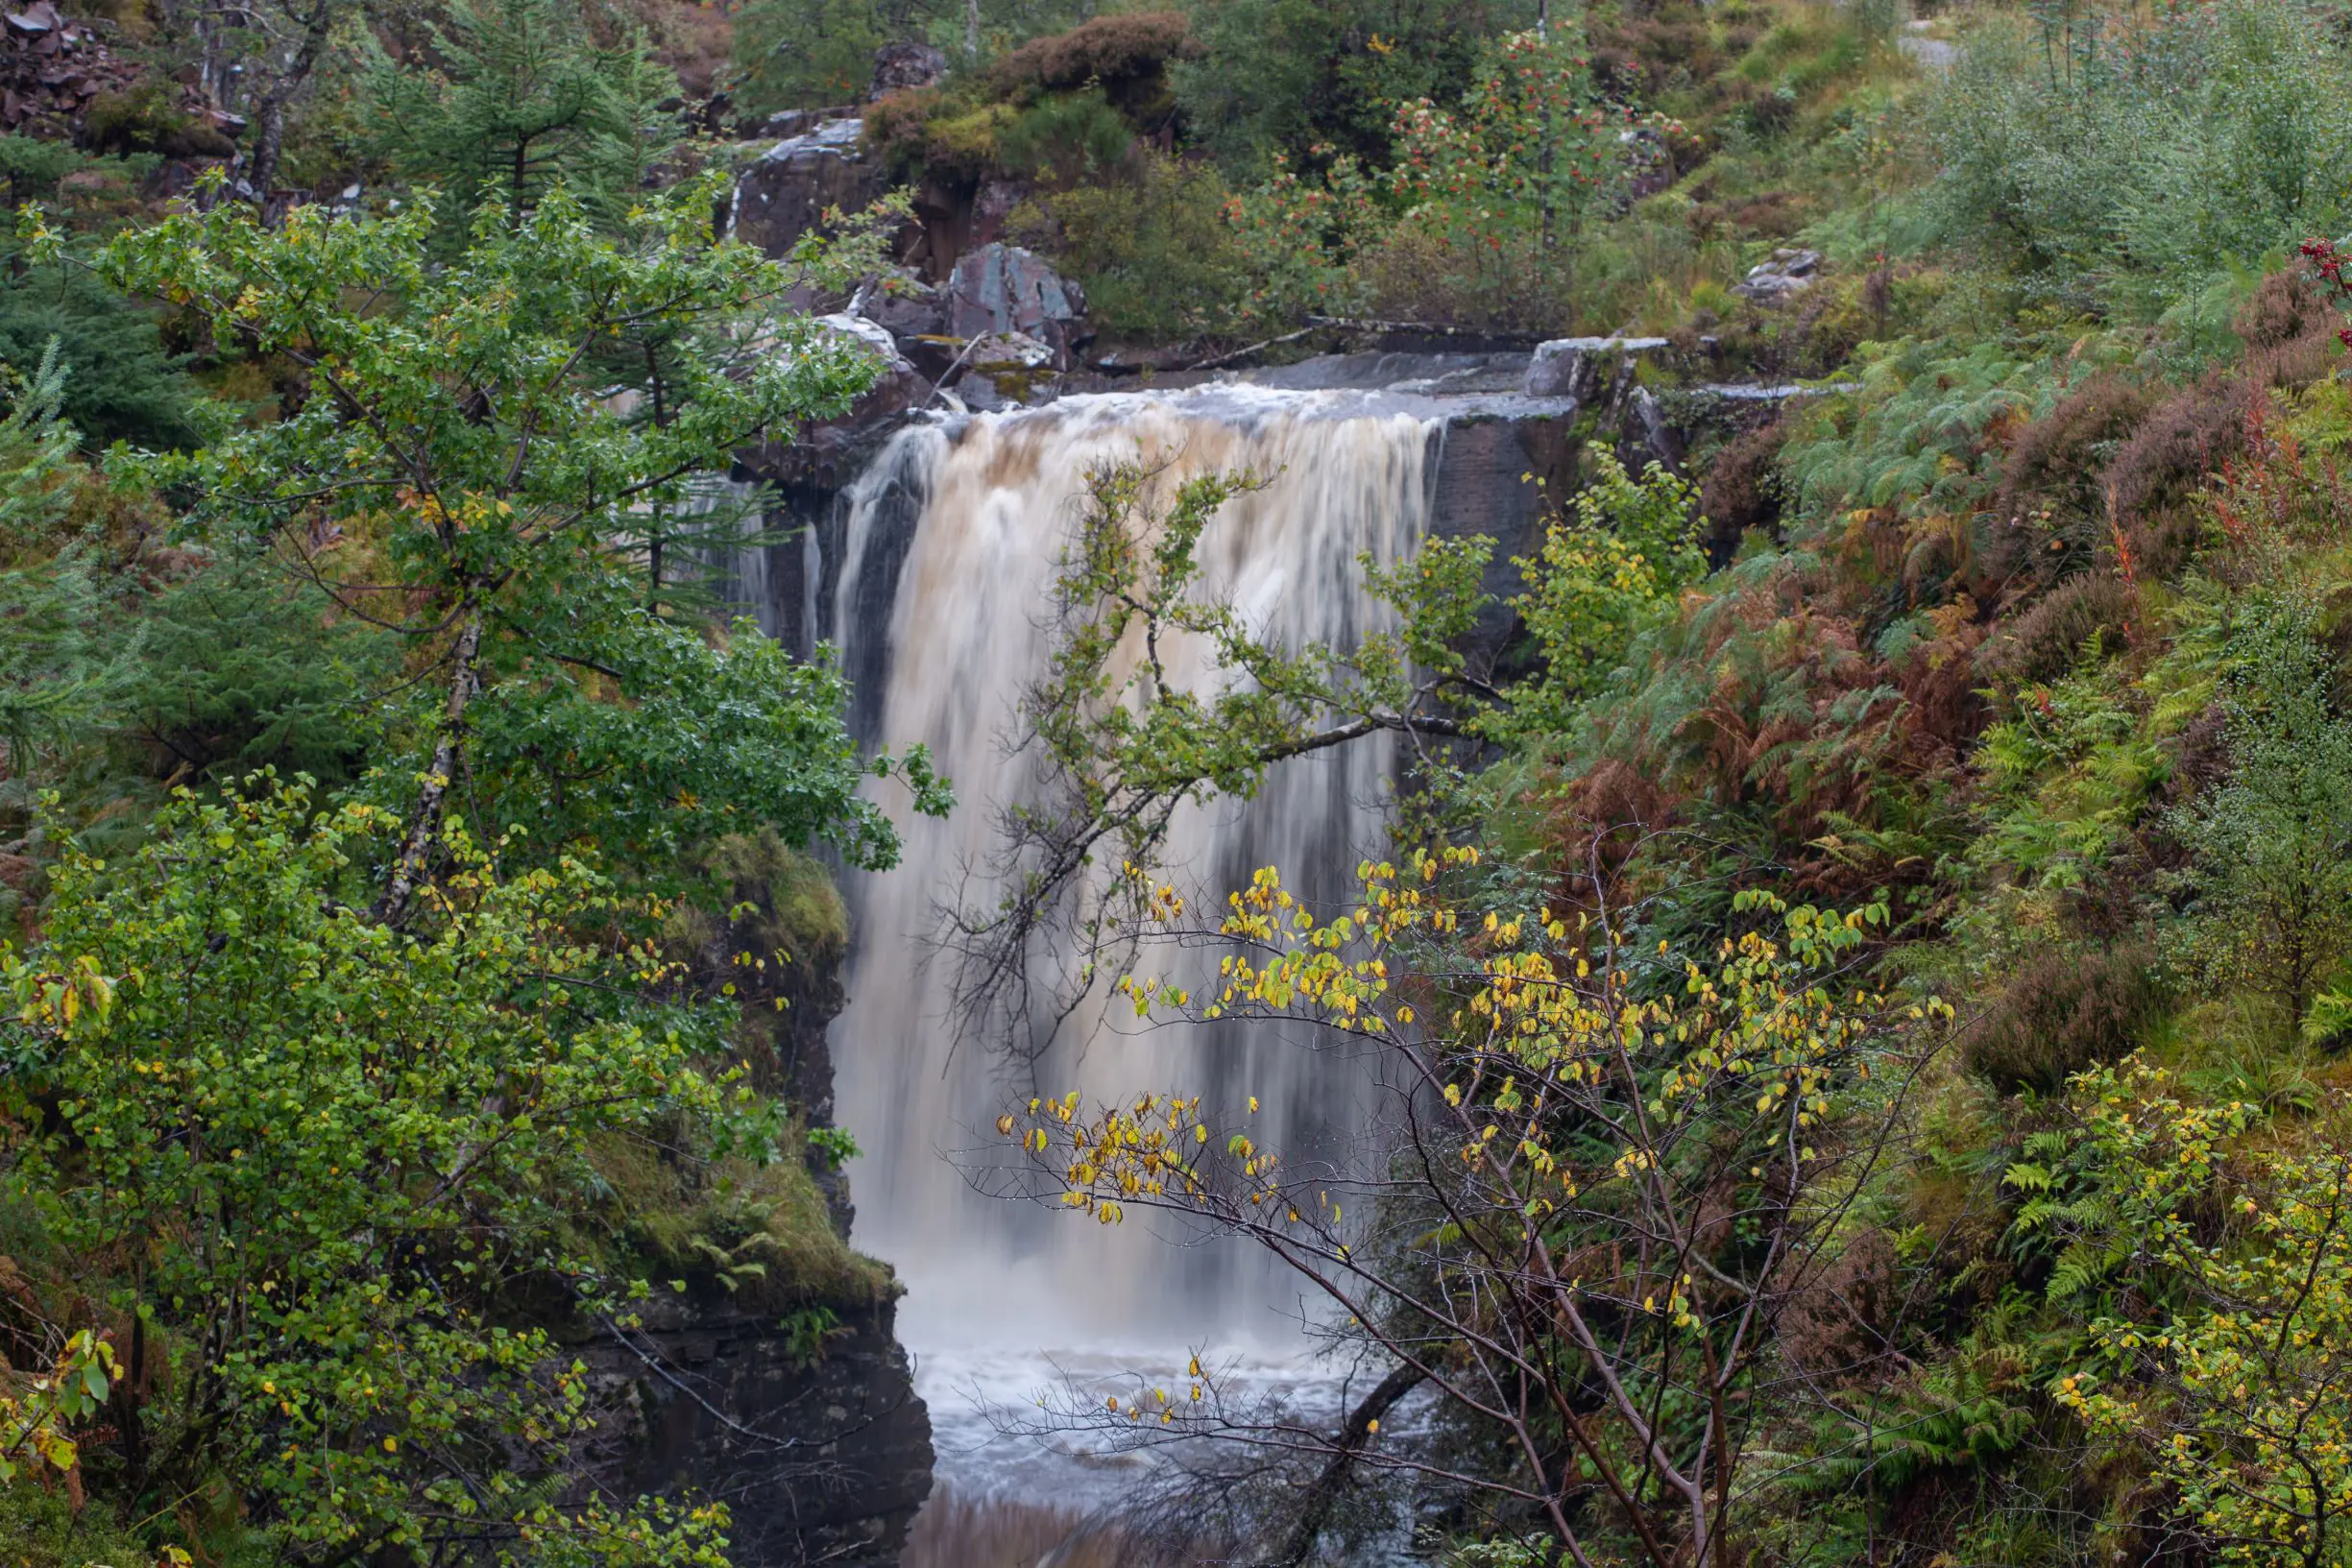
(1869, 963)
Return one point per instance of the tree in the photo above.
(1122, 746)
(522, 99)
(1614, 560)
(1605, 1174)
(236, 673)
(457, 474)
(1531, 148)
(116, 382)
(2272, 844)
(1286, 76)
(289, 56)
(313, 1165)
(2236, 1389)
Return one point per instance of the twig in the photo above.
(1358, 324)
(1243, 354)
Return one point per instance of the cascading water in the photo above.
(944, 625)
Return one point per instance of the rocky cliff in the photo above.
(771, 1379)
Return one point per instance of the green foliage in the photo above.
(834, 1145)
(60, 670)
(2240, 1396)
(2271, 846)
(1910, 433)
(503, 486)
(242, 670)
(40, 1528)
(1158, 255)
(2167, 146)
(523, 100)
(119, 384)
(803, 53)
(1284, 76)
(1479, 217)
(323, 1155)
(1614, 560)
(808, 1333)
(756, 1228)
(33, 167)
(36, 450)
(1066, 136)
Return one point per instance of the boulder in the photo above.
(1574, 367)
(1004, 288)
(828, 453)
(906, 309)
(899, 67)
(1007, 369)
(1788, 273)
(1009, 351)
(784, 195)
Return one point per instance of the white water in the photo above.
(995, 1286)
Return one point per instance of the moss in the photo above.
(762, 1234)
(39, 1528)
(783, 901)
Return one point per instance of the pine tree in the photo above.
(522, 99)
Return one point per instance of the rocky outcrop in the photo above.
(787, 191)
(53, 69)
(1787, 273)
(806, 1426)
(1003, 288)
(787, 1397)
(1583, 368)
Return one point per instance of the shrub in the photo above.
(1289, 76)
(2166, 460)
(2055, 463)
(2271, 878)
(2163, 148)
(2045, 642)
(1156, 252)
(1066, 136)
(1743, 487)
(1118, 53)
(2282, 309)
(800, 54)
(2061, 1013)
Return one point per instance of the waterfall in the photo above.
(943, 623)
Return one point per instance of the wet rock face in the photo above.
(805, 1422)
(1003, 288)
(829, 452)
(810, 1434)
(784, 195)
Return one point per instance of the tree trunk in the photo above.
(424, 825)
(1314, 1508)
(270, 114)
